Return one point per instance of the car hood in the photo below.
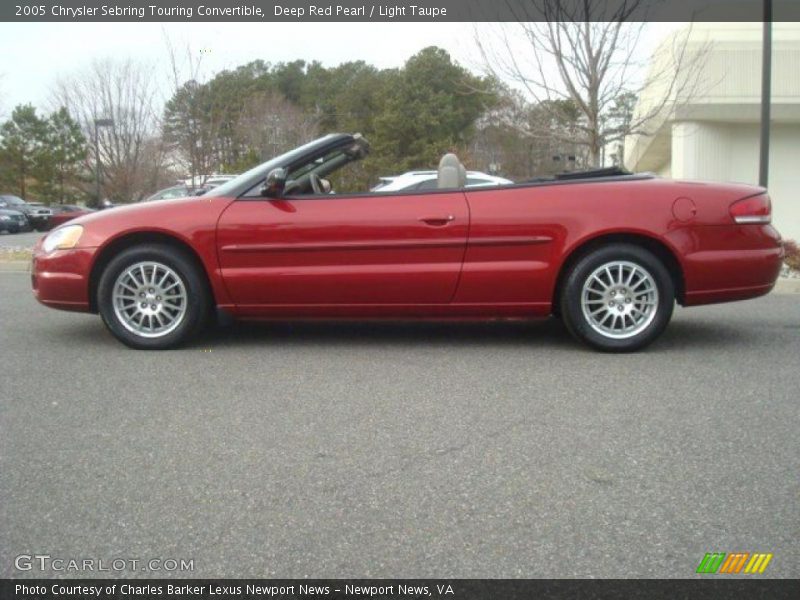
(124, 212)
(183, 218)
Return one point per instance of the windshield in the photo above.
(263, 169)
(178, 191)
(12, 200)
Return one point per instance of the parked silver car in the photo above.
(426, 180)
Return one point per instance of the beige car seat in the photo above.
(452, 173)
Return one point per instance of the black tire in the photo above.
(588, 330)
(198, 300)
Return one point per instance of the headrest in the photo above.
(452, 173)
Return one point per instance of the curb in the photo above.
(785, 285)
(15, 266)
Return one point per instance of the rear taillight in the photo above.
(756, 209)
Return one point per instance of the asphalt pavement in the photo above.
(20, 241)
(401, 449)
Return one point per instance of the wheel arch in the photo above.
(658, 247)
(128, 240)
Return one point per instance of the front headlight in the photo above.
(5, 218)
(62, 238)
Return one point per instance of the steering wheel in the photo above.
(316, 183)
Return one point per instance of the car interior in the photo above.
(311, 177)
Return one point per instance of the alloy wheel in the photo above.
(619, 299)
(149, 299)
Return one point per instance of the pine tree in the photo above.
(63, 158)
(22, 139)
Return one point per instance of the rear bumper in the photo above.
(38, 220)
(61, 279)
(727, 294)
(738, 263)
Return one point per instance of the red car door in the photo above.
(343, 250)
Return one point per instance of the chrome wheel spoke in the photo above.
(602, 283)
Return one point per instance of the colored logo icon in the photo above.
(734, 563)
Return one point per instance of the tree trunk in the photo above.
(23, 177)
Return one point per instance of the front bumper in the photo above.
(61, 279)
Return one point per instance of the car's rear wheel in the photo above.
(618, 298)
(153, 297)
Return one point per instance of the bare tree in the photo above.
(193, 116)
(269, 124)
(126, 92)
(571, 54)
(522, 139)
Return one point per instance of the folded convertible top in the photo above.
(590, 174)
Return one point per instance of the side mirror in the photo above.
(275, 183)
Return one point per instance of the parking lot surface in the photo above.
(16, 241)
(402, 449)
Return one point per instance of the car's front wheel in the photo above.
(153, 297)
(618, 298)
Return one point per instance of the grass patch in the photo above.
(14, 255)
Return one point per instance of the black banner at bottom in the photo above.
(394, 589)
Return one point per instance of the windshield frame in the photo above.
(249, 179)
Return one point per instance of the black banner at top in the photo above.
(394, 10)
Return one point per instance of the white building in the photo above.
(711, 132)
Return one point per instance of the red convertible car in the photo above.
(609, 254)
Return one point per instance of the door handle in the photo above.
(438, 221)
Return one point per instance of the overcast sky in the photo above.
(36, 54)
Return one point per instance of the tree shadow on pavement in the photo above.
(542, 334)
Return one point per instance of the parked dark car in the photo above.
(65, 212)
(38, 215)
(13, 221)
